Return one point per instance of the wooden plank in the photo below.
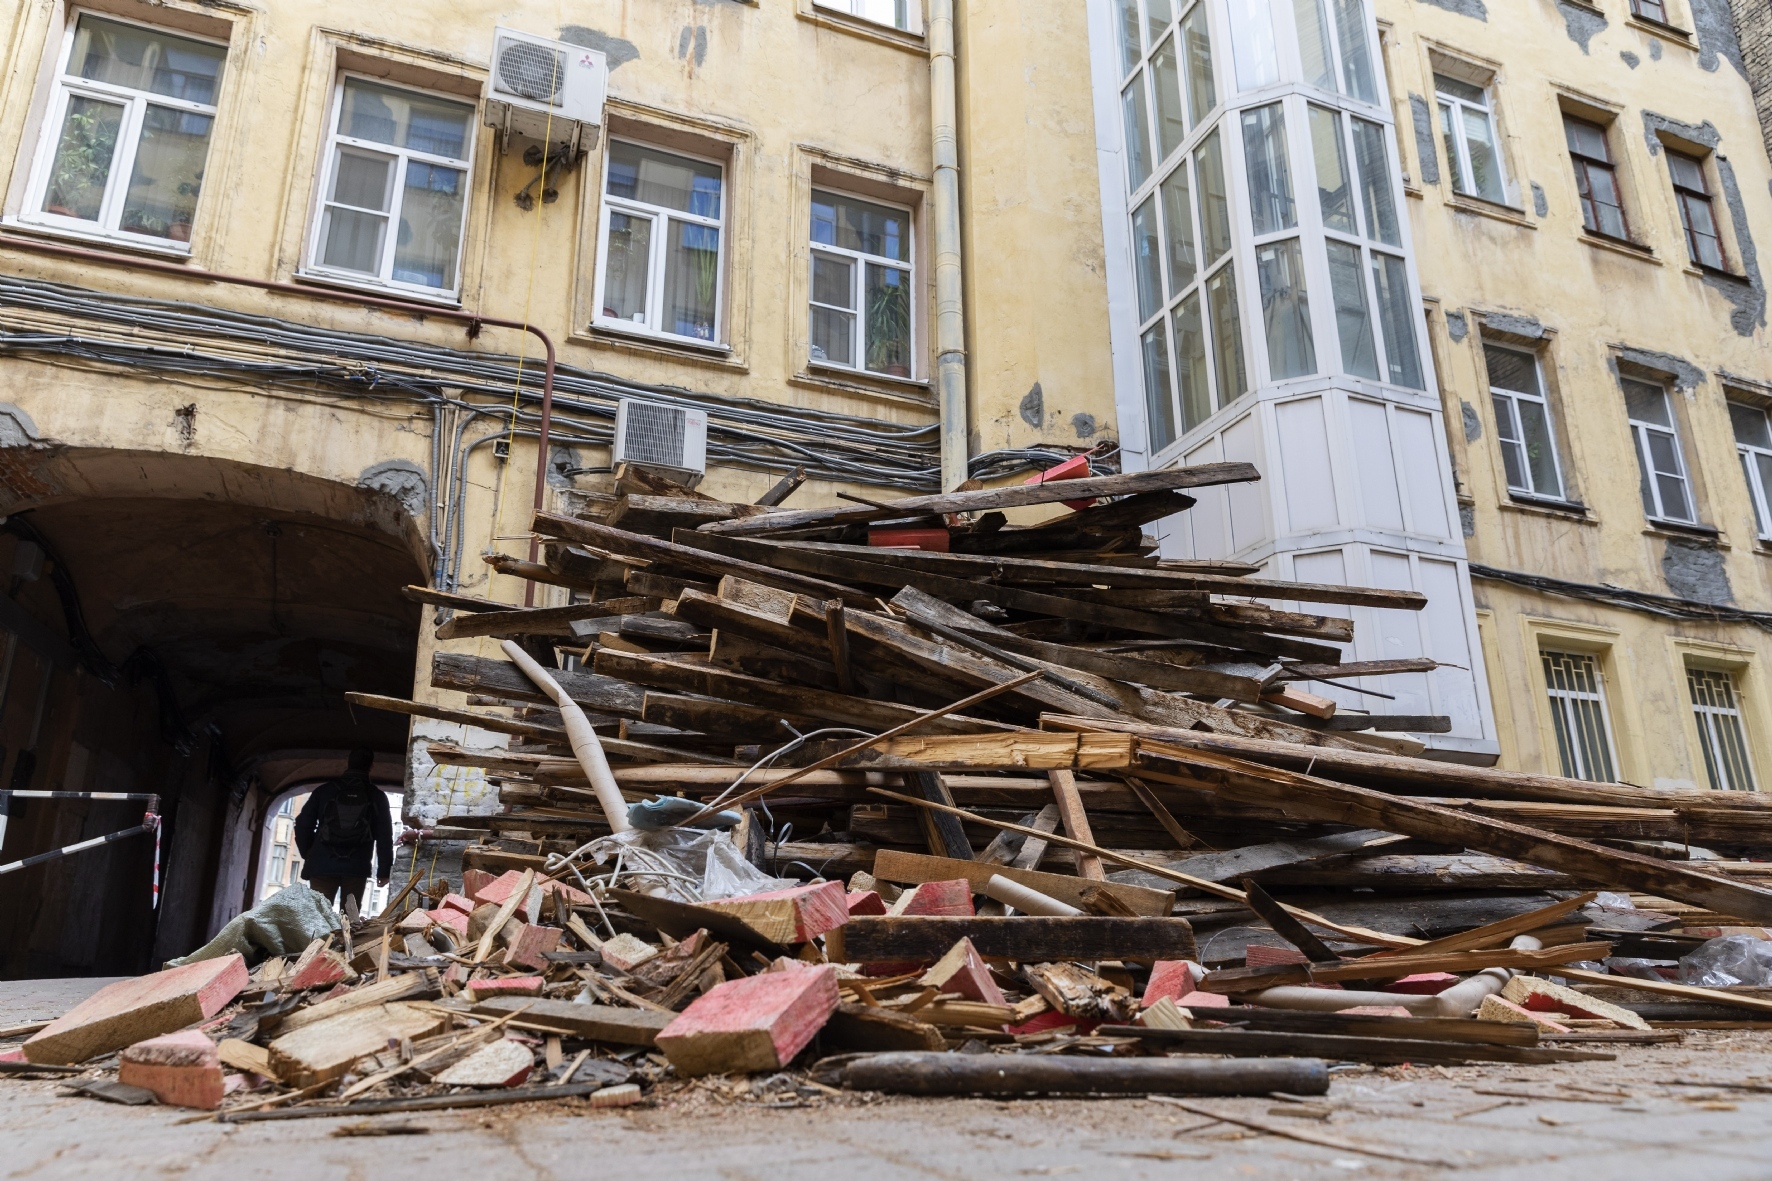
(455, 602)
(536, 572)
(1019, 495)
(1252, 859)
(1359, 668)
(1408, 723)
(695, 560)
(985, 752)
(477, 674)
(1499, 933)
(1075, 821)
(892, 865)
(1027, 938)
(1396, 966)
(136, 1008)
(1433, 1029)
(943, 833)
(597, 1023)
(783, 488)
(1320, 799)
(1684, 992)
(1287, 927)
(492, 722)
(1250, 1043)
(723, 719)
(1033, 848)
(539, 621)
(327, 1049)
(658, 515)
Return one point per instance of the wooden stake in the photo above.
(1075, 821)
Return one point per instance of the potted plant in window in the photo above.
(889, 324)
(82, 164)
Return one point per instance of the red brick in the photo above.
(182, 1069)
(1169, 978)
(123, 1013)
(752, 1024)
(475, 880)
(795, 915)
(1204, 1000)
(530, 944)
(479, 990)
(456, 902)
(448, 916)
(500, 888)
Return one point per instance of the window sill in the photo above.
(869, 30)
(381, 290)
(1655, 28)
(1681, 531)
(1547, 504)
(838, 380)
(1466, 203)
(121, 243)
(677, 348)
(1617, 246)
(1699, 271)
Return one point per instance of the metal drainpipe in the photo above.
(950, 312)
(473, 320)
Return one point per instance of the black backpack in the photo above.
(345, 822)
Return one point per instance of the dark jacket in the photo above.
(321, 859)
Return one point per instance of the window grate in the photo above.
(1578, 713)
(1721, 736)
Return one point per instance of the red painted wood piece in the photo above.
(1423, 983)
(479, 990)
(182, 1069)
(814, 909)
(865, 902)
(457, 902)
(123, 1013)
(497, 891)
(1169, 978)
(531, 943)
(448, 916)
(475, 880)
(941, 898)
(752, 1024)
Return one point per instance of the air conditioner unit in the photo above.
(669, 439)
(546, 90)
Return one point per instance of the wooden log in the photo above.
(1320, 799)
(1250, 1043)
(657, 515)
(1025, 1074)
(893, 865)
(536, 572)
(538, 621)
(1015, 496)
(595, 1023)
(1028, 938)
(1359, 668)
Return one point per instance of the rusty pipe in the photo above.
(342, 295)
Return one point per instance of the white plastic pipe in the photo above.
(1333, 1000)
(1028, 901)
(584, 739)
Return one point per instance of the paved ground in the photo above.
(1620, 1120)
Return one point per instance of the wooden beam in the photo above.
(491, 722)
(783, 488)
(539, 621)
(945, 835)
(1249, 1043)
(1027, 938)
(1075, 821)
(454, 602)
(893, 865)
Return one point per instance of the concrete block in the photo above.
(128, 1011)
(753, 1024)
(182, 1069)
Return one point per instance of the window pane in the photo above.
(1254, 54)
(1586, 139)
(1313, 43)
(1270, 177)
(850, 224)
(1688, 173)
(352, 241)
(1750, 425)
(1190, 357)
(1664, 455)
(1215, 210)
(1650, 508)
(833, 332)
(888, 325)
(405, 119)
(362, 180)
(1754, 495)
(1201, 90)
(1334, 193)
(1131, 49)
(1159, 405)
(1376, 194)
(1449, 136)
(1138, 132)
(1646, 403)
(1464, 91)
(1701, 230)
(1157, 15)
(1147, 267)
(892, 13)
(1513, 456)
(1540, 448)
(1763, 464)
(169, 157)
(691, 279)
(1285, 309)
(83, 155)
(1600, 187)
(1510, 370)
(1353, 319)
(1356, 51)
(659, 178)
(1227, 336)
(429, 242)
(1479, 139)
(1397, 317)
(1166, 77)
(1178, 228)
(146, 59)
(625, 267)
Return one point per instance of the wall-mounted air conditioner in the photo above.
(546, 90)
(668, 439)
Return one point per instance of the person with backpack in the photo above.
(344, 821)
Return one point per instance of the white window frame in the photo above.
(1640, 432)
(383, 278)
(1714, 744)
(1757, 489)
(655, 262)
(1513, 398)
(1562, 704)
(913, 14)
(858, 288)
(1462, 165)
(135, 104)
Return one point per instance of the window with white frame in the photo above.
(1698, 214)
(1753, 442)
(1523, 422)
(1667, 492)
(1716, 707)
(660, 250)
(862, 295)
(279, 863)
(394, 188)
(126, 141)
(906, 15)
(1467, 127)
(1578, 715)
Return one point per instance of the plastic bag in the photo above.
(703, 864)
(1615, 901)
(1731, 959)
(283, 924)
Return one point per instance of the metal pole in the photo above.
(950, 312)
